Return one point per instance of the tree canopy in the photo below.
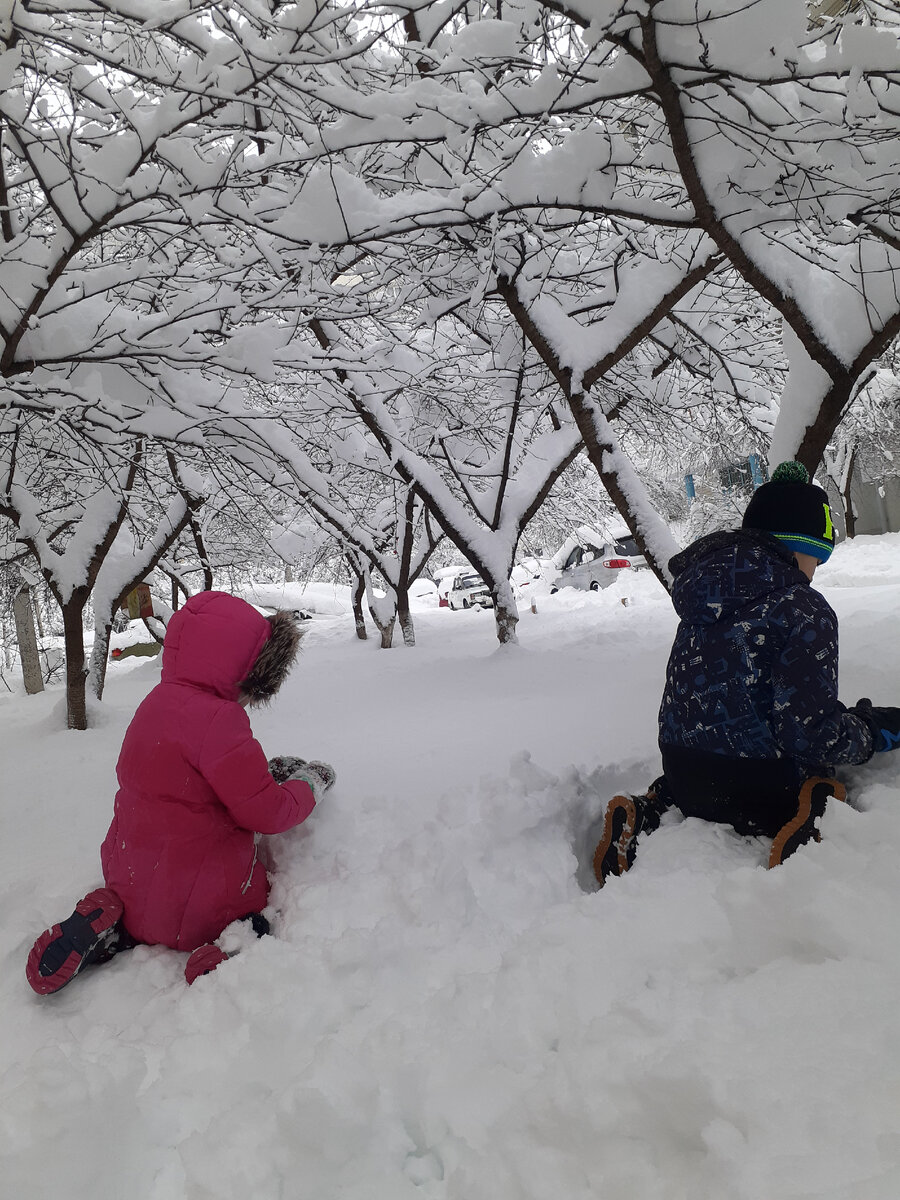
(394, 268)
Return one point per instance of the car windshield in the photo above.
(471, 581)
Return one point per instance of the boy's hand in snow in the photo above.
(883, 723)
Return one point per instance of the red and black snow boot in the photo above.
(207, 957)
(803, 826)
(90, 935)
(203, 960)
(626, 817)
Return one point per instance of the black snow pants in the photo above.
(755, 795)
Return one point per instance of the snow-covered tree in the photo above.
(123, 142)
(601, 163)
(471, 238)
(463, 428)
(93, 529)
(866, 444)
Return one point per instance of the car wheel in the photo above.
(595, 586)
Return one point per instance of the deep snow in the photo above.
(444, 1013)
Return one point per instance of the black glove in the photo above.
(883, 723)
(284, 766)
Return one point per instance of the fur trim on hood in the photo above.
(274, 661)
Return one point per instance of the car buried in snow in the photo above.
(461, 587)
(532, 575)
(469, 591)
(593, 562)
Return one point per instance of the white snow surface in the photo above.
(444, 1013)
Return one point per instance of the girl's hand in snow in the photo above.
(320, 777)
(325, 772)
(283, 767)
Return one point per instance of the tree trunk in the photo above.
(507, 619)
(382, 611)
(7, 643)
(849, 516)
(384, 623)
(179, 588)
(506, 612)
(99, 657)
(404, 616)
(403, 575)
(849, 512)
(818, 434)
(76, 676)
(25, 636)
(359, 617)
(36, 605)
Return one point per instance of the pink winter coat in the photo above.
(194, 785)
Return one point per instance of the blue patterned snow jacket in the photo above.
(753, 671)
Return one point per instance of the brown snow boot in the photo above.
(803, 825)
(626, 817)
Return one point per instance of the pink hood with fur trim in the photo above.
(194, 785)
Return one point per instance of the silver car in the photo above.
(595, 567)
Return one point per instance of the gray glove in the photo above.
(320, 777)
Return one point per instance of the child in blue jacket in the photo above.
(750, 726)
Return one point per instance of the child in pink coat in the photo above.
(195, 792)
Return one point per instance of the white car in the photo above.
(593, 567)
(464, 590)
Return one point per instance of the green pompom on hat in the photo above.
(790, 472)
(793, 510)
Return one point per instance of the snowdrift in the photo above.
(446, 1010)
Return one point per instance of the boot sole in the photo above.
(814, 794)
(82, 936)
(611, 855)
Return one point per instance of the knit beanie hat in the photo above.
(793, 510)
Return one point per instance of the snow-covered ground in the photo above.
(445, 1014)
